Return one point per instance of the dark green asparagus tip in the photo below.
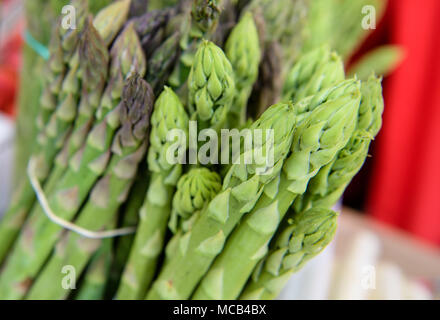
(93, 56)
(137, 104)
(205, 13)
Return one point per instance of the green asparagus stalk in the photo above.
(284, 22)
(130, 217)
(92, 286)
(382, 61)
(162, 61)
(305, 235)
(40, 234)
(281, 27)
(268, 87)
(128, 149)
(168, 114)
(318, 27)
(243, 51)
(110, 19)
(317, 140)
(349, 31)
(242, 188)
(150, 27)
(315, 70)
(326, 188)
(93, 65)
(211, 87)
(340, 23)
(159, 4)
(229, 15)
(55, 126)
(200, 19)
(203, 78)
(40, 15)
(126, 56)
(195, 190)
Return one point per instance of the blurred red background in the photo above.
(405, 185)
(10, 49)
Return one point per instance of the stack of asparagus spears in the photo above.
(116, 86)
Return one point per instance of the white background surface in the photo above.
(6, 160)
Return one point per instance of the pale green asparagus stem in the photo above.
(336, 22)
(242, 188)
(130, 217)
(168, 114)
(40, 234)
(328, 185)
(56, 126)
(243, 50)
(110, 191)
(304, 236)
(315, 70)
(317, 140)
(210, 79)
(381, 60)
(93, 285)
(110, 19)
(126, 56)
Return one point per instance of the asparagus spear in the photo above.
(168, 114)
(243, 50)
(210, 78)
(150, 27)
(211, 86)
(194, 189)
(40, 15)
(199, 21)
(241, 189)
(162, 61)
(92, 60)
(315, 70)
(158, 4)
(110, 19)
(128, 149)
(305, 235)
(381, 60)
(39, 234)
(317, 140)
(126, 56)
(267, 89)
(92, 286)
(338, 23)
(281, 25)
(329, 184)
(56, 125)
(284, 22)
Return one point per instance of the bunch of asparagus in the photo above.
(117, 86)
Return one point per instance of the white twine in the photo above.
(64, 223)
